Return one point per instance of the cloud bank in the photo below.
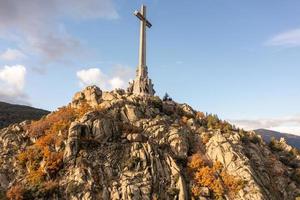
(11, 54)
(117, 78)
(289, 38)
(12, 82)
(289, 124)
(35, 25)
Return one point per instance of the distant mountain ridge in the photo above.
(12, 113)
(291, 139)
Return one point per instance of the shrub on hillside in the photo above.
(213, 122)
(213, 177)
(157, 102)
(16, 192)
(167, 97)
(275, 145)
(200, 115)
(41, 161)
(62, 115)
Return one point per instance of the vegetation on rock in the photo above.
(213, 177)
(43, 160)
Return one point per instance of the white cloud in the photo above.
(92, 76)
(289, 38)
(289, 124)
(12, 82)
(36, 26)
(11, 54)
(117, 82)
(117, 78)
(293, 129)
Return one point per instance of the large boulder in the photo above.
(76, 132)
(91, 95)
(103, 130)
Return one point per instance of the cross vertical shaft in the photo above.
(142, 49)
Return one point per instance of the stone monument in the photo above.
(142, 85)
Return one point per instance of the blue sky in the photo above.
(238, 59)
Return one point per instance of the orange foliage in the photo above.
(84, 108)
(196, 190)
(213, 177)
(41, 160)
(233, 185)
(52, 163)
(53, 160)
(50, 131)
(61, 116)
(200, 115)
(46, 140)
(217, 187)
(15, 193)
(35, 177)
(217, 166)
(195, 162)
(30, 157)
(205, 176)
(49, 186)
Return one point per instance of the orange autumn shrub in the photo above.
(200, 115)
(214, 177)
(205, 176)
(35, 177)
(218, 187)
(16, 192)
(30, 158)
(43, 160)
(195, 162)
(53, 161)
(49, 187)
(50, 132)
(64, 114)
(232, 183)
(84, 108)
(217, 166)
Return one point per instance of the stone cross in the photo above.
(142, 85)
(144, 22)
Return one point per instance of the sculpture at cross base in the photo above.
(142, 85)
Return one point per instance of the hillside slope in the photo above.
(115, 145)
(291, 139)
(10, 113)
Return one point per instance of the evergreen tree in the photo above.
(167, 97)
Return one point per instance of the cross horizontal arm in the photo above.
(141, 17)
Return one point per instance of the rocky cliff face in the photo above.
(112, 145)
